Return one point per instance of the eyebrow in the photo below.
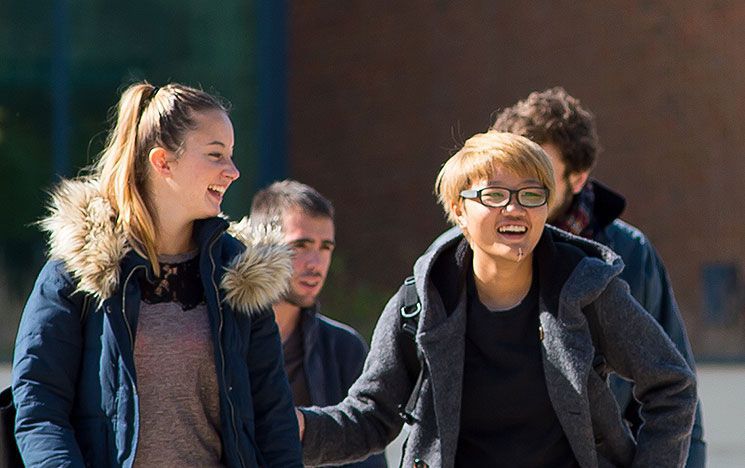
(216, 143)
(307, 239)
(499, 183)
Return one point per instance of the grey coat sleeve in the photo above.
(367, 419)
(650, 285)
(636, 347)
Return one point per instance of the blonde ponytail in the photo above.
(146, 117)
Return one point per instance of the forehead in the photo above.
(212, 126)
(296, 224)
(555, 156)
(505, 176)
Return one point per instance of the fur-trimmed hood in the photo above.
(83, 234)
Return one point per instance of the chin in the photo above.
(301, 301)
(211, 213)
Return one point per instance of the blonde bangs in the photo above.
(481, 156)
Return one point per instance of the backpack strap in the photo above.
(410, 309)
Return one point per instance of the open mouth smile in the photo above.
(512, 229)
(217, 190)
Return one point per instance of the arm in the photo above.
(663, 383)
(45, 367)
(276, 426)
(367, 419)
(650, 285)
(663, 306)
(356, 352)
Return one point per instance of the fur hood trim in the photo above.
(81, 225)
(261, 274)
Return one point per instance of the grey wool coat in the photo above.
(577, 277)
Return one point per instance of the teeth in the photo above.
(217, 188)
(517, 229)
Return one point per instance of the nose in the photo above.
(231, 171)
(512, 204)
(313, 259)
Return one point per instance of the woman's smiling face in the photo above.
(509, 233)
(204, 169)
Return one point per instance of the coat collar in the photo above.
(609, 205)
(444, 262)
(83, 234)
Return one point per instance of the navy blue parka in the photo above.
(74, 381)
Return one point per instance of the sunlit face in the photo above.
(509, 233)
(202, 172)
(567, 185)
(312, 240)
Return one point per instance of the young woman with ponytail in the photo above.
(148, 339)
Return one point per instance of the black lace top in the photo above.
(179, 282)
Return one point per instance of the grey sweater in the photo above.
(575, 274)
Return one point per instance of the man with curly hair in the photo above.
(585, 207)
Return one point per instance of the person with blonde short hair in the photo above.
(501, 357)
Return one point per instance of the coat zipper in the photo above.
(124, 308)
(131, 342)
(222, 353)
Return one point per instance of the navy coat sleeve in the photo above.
(45, 367)
(275, 422)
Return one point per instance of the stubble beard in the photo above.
(560, 210)
(298, 300)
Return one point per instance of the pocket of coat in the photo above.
(93, 439)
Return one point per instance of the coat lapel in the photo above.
(567, 361)
(444, 344)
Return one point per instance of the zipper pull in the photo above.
(540, 332)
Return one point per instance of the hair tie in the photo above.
(146, 102)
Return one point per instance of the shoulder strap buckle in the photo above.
(411, 304)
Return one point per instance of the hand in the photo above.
(300, 422)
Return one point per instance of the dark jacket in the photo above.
(575, 274)
(334, 354)
(75, 384)
(650, 285)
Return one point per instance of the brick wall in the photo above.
(382, 92)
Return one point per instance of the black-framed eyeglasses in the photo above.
(497, 197)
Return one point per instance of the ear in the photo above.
(158, 158)
(460, 214)
(577, 180)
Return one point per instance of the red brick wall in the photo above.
(382, 92)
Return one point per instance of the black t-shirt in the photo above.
(506, 414)
(294, 356)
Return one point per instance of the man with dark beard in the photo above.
(585, 207)
(323, 357)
